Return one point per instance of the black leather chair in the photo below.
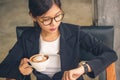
(104, 33)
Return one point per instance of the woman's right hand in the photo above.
(24, 67)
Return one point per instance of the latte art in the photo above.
(39, 58)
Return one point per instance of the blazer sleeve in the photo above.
(104, 55)
(9, 66)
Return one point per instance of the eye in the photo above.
(46, 19)
(59, 17)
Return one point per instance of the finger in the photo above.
(64, 75)
(28, 71)
(24, 60)
(70, 75)
(67, 75)
(25, 65)
(75, 75)
(25, 69)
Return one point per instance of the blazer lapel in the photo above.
(33, 43)
(36, 41)
(65, 50)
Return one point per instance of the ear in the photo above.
(33, 18)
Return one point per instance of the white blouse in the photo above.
(51, 49)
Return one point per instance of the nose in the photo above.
(53, 22)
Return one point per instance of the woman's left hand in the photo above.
(73, 74)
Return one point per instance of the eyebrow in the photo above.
(49, 16)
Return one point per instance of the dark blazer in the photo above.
(72, 40)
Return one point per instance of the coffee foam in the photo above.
(39, 58)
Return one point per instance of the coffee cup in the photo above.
(39, 62)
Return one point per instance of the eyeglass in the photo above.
(48, 20)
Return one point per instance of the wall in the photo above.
(109, 14)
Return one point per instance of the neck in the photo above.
(50, 37)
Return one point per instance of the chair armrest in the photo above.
(111, 73)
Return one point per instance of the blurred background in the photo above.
(15, 13)
(81, 12)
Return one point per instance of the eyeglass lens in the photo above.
(48, 20)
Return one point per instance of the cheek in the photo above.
(58, 23)
(41, 25)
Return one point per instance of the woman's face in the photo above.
(50, 21)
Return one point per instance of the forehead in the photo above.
(52, 11)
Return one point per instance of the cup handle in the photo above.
(29, 62)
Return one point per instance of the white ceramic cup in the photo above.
(39, 62)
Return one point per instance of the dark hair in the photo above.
(39, 7)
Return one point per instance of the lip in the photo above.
(52, 29)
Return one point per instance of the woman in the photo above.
(63, 40)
